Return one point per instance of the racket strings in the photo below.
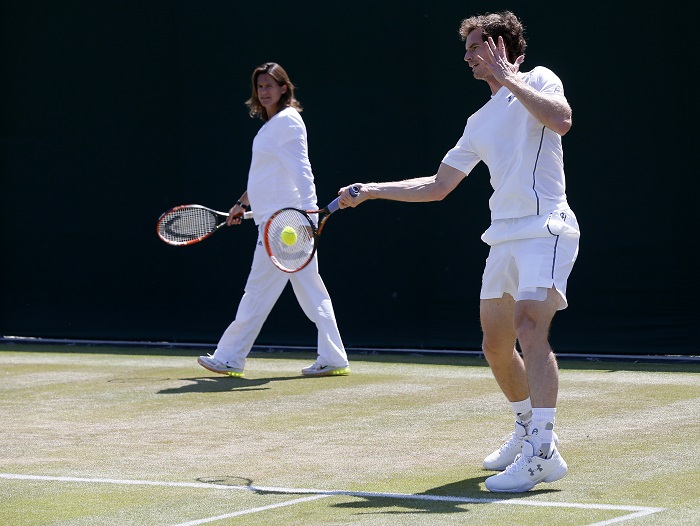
(187, 224)
(296, 254)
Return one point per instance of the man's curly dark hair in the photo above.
(504, 24)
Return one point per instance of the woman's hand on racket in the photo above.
(235, 215)
(350, 199)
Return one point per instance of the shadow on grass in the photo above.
(449, 498)
(445, 499)
(209, 384)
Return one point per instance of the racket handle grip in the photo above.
(335, 205)
(248, 215)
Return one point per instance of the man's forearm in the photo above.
(420, 189)
(552, 111)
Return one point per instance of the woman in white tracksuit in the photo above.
(280, 176)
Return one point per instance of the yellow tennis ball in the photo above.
(289, 236)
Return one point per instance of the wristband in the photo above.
(240, 203)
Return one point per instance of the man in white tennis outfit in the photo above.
(280, 176)
(534, 237)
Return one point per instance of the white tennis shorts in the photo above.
(530, 255)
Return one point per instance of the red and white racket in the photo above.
(188, 224)
(291, 236)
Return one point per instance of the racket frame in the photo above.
(219, 216)
(324, 214)
(315, 231)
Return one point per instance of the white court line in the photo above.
(252, 510)
(637, 511)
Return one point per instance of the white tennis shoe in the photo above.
(215, 366)
(319, 369)
(528, 470)
(505, 455)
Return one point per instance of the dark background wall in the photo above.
(113, 112)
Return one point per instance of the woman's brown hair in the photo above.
(277, 72)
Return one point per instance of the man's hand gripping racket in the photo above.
(291, 237)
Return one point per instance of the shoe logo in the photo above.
(532, 470)
(535, 431)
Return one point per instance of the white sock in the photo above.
(522, 410)
(542, 429)
(523, 417)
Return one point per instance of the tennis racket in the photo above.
(291, 236)
(188, 224)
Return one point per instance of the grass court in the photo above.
(96, 435)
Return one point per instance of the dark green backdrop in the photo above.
(114, 111)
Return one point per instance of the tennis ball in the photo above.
(289, 236)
